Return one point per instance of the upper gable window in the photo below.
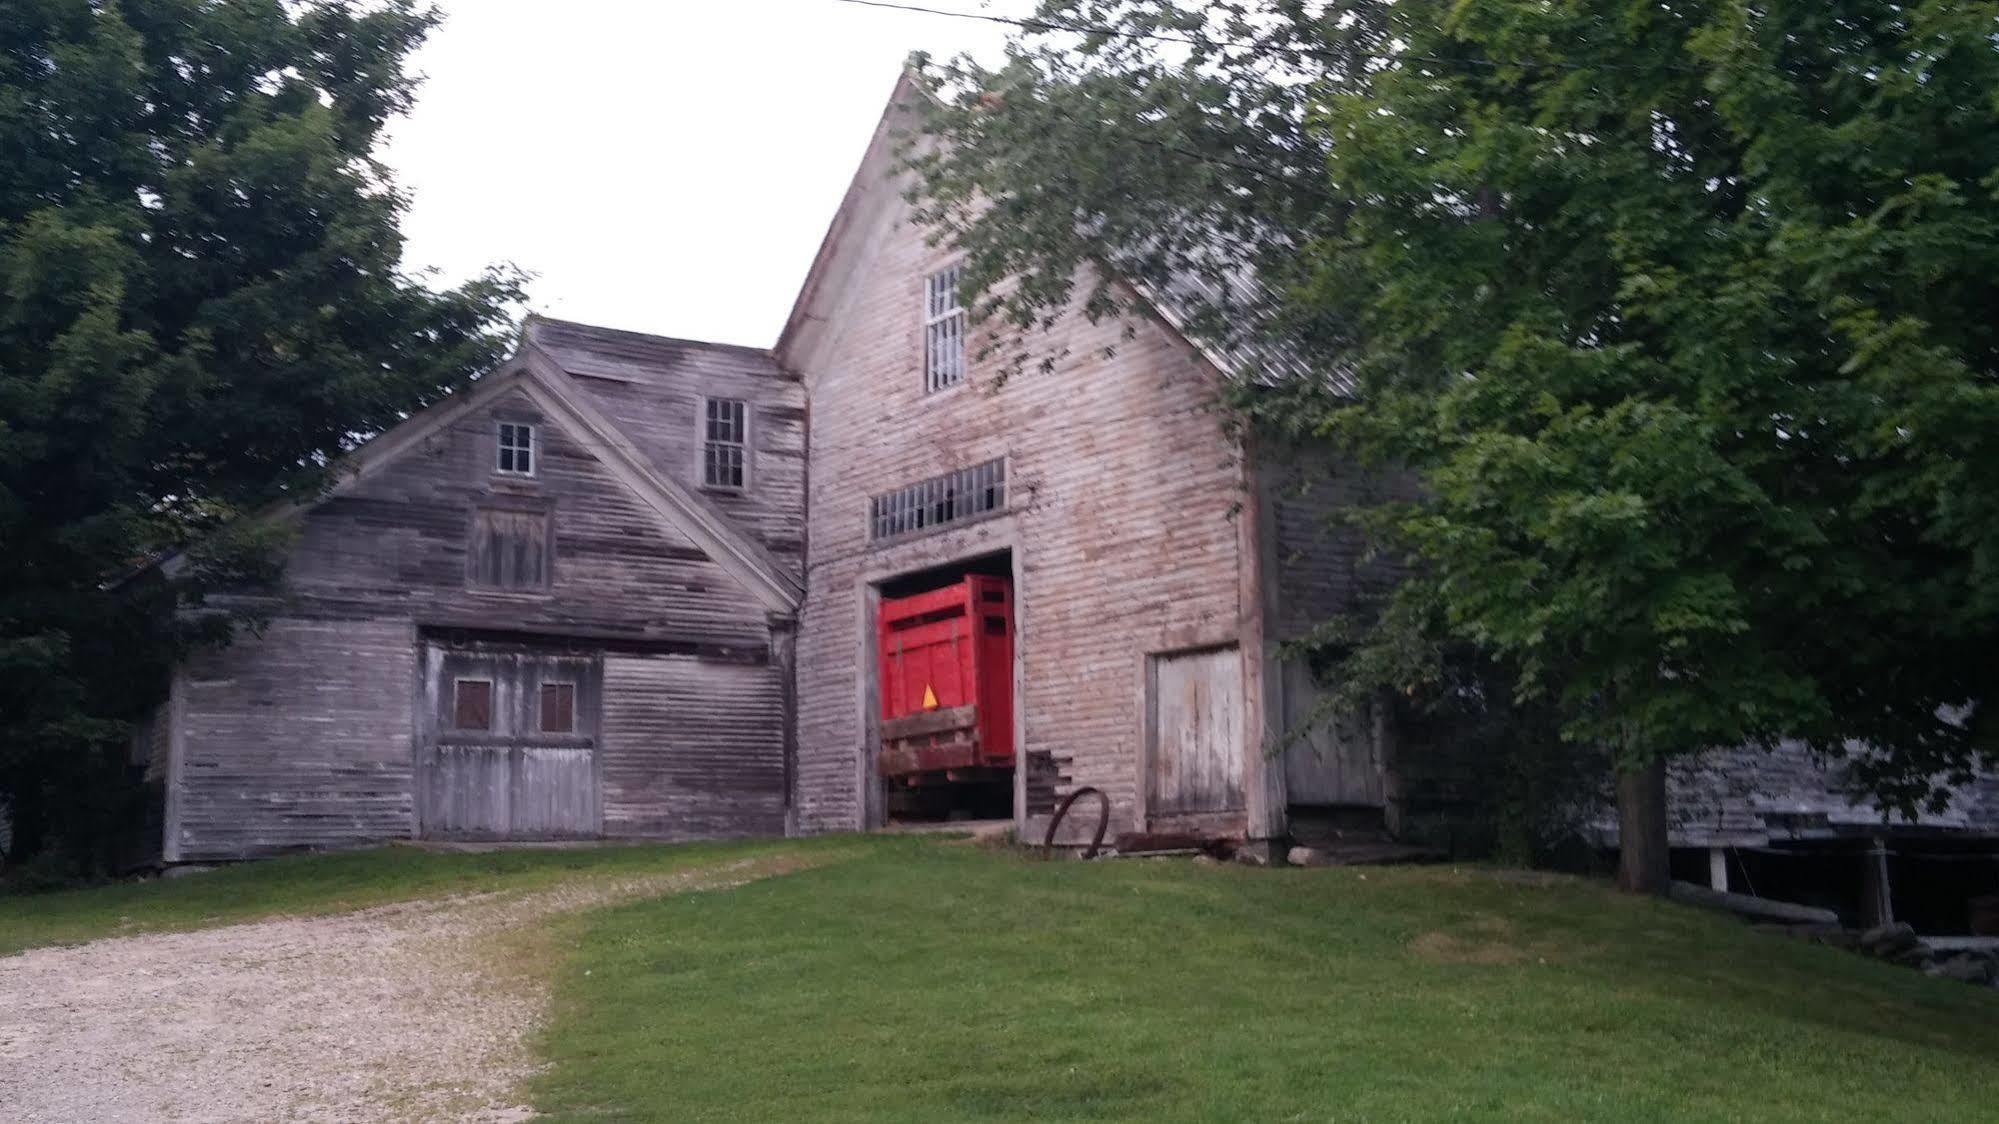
(725, 444)
(516, 449)
(943, 330)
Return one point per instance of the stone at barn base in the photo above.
(1888, 940)
(1967, 967)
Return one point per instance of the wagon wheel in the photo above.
(1062, 810)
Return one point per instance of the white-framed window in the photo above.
(943, 330)
(516, 449)
(725, 444)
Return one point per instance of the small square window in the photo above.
(943, 330)
(516, 449)
(472, 704)
(725, 441)
(558, 708)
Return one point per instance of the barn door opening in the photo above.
(509, 744)
(1194, 730)
(943, 678)
(1330, 759)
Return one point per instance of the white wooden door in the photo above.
(1195, 727)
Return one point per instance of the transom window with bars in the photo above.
(725, 444)
(943, 330)
(950, 498)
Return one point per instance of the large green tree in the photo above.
(1685, 313)
(201, 304)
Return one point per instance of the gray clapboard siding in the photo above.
(654, 387)
(396, 544)
(1122, 493)
(1320, 568)
(319, 733)
(692, 748)
(298, 738)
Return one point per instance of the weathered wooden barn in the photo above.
(1155, 564)
(621, 588)
(561, 604)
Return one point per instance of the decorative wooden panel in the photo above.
(467, 790)
(509, 549)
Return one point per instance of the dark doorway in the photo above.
(944, 685)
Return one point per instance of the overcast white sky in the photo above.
(662, 166)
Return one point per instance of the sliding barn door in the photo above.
(509, 747)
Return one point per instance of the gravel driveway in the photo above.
(412, 1012)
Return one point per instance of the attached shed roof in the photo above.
(1753, 797)
(588, 351)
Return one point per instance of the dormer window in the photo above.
(516, 449)
(943, 330)
(725, 442)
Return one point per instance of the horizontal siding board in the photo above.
(297, 738)
(692, 748)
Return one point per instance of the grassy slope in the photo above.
(321, 884)
(928, 982)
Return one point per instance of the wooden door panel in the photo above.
(554, 793)
(512, 777)
(466, 791)
(1196, 726)
(1328, 760)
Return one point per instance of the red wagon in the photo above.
(946, 677)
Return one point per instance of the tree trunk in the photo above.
(1643, 856)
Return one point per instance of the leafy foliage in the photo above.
(201, 304)
(1681, 312)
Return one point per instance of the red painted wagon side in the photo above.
(946, 680)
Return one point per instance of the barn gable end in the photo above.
(505, 620)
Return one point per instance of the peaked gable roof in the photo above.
(533, 371)
(861, 208)
(877, 185)
(714, 533)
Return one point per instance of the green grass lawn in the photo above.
(321, 884)
(925, 981)
(914, 979)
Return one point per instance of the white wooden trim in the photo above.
(176, 749)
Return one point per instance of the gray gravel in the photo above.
(411, 1012)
